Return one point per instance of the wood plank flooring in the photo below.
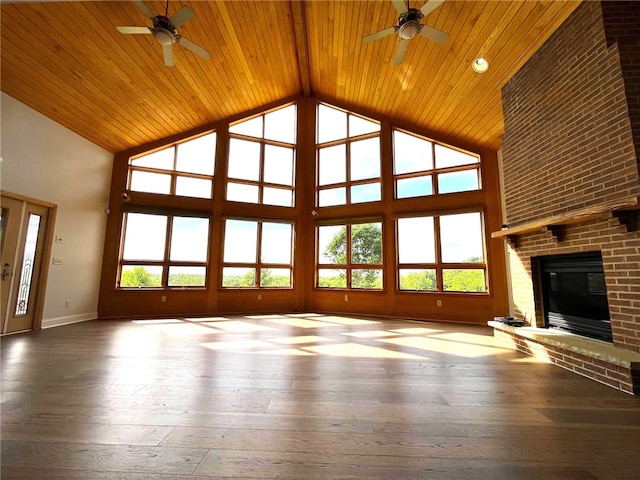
(301, 397)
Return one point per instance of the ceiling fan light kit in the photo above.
(165, 31)
(409, 26)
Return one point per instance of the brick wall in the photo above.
(572, 117)
(622, 27)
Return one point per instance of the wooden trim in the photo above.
(299, 22)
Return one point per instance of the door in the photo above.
(22, 243)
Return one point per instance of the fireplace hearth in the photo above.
(575, 294)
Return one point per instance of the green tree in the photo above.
(139, 277)
(366, 248)
(422, 280)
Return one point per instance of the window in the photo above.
(348, 158)
(262, 159)
(422, 167)
(184, 169)
(349, 256)
(441, 253)
(257, 254)
(146, 262)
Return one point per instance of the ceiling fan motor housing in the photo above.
(163, 31)
(409, 24)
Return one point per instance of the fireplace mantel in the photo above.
(612, 209)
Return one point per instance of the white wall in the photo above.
(44, 160)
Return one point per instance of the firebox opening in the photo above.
(575, 294)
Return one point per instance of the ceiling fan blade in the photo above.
(134, 30)
(401, 6)
(380, 34)
(400, 53)
(430, 6)
(182, 16)
(167, 51)
(434, 34)
(194, 48)
(143, 8)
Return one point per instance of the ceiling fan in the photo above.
(409, 26)
(165, 31)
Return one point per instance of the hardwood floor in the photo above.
(304, 397)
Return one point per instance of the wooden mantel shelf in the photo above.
(576, 216)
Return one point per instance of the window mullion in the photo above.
(167, 252)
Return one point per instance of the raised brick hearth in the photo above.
(571, 181)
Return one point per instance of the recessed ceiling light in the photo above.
(480, 65)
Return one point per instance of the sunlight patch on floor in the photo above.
(302, 323)
(286, 351)
(372, 334)
(237, 345)
(444, 346)
(357, 350)
(238, 326)
(301, 339)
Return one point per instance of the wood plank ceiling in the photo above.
(68, 61)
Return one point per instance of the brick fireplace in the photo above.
(571, 156)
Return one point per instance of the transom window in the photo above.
(441, 253)
(422, 167)
(257, 254)
(164, 251)
(185, 169)
(349, 256)
(348, 158)
(262, 159)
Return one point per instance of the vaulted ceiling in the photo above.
(68, 61)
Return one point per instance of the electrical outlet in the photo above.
(57, 261)
(346, 297)
(67, 304)
(438, 303)
(163, 298)
(259, 297)
(59, 239)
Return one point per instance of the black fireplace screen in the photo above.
(575, 294)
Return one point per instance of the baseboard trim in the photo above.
(59, 321)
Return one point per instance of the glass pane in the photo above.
(360, 126)
(461, 238)
(281, 125)
(417, 280)
(238, 277)
(366, 243)
(332, 124)
(365, 159)
(197, 155)
(276, 243)
(332, 165)
(238, 192)
(332, 196)
(240, 241)
(251, 128)
(162, 159)
(193, 187)
(332, 278)
(28, 262)
(411, 154)
(278, 165)
(275, 277)
(416, 240)
(277, 196)
(369, 279)
(189, 239)
(144, 237)
(244, 159)
(365, 193)
(150, 182)
(187, 276)
(463, 280)
(414, 187)
(458, 181)
(141, 276)
(332, 244)
(448, 157)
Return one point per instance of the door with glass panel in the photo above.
(22, 243)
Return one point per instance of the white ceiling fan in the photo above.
(409, 26)
(165, 31)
